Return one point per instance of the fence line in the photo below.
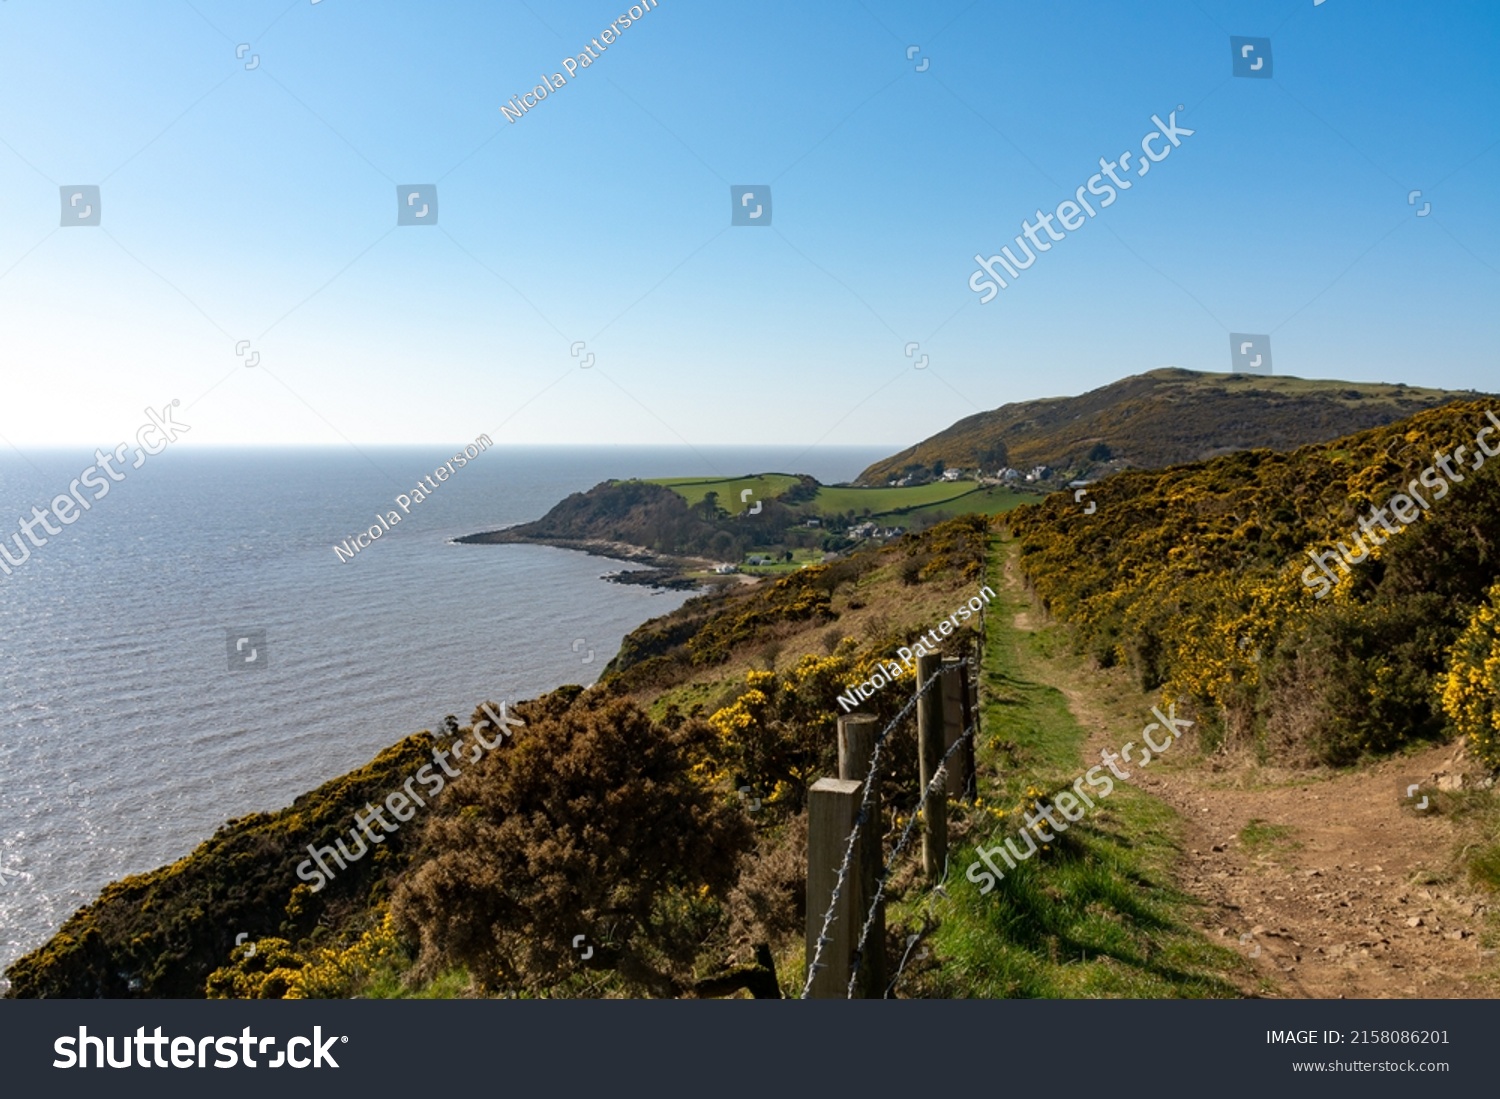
(939, 778)
(860, 820)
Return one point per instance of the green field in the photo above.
(982, 501)
(765, 486)
(889, 505)
(831, 500)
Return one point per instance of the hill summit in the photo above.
(1161, 418)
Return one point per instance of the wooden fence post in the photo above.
(856, 749)
(832, 806)
(930, 756)
(955, 721)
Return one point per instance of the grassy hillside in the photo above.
(763, 486)
(990, 500)
(1161, 418)
(879, 501)
(883, 504)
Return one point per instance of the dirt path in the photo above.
(1341, 887)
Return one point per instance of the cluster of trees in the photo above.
(992, 455)
(657, 518)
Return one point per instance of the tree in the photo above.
(995, 456)
(709, 507)
(586, 822)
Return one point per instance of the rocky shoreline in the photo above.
(658, 570)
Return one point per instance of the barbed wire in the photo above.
(910, 946)
(976, 664)
(929, 924)
(859, 822)
(940, 775)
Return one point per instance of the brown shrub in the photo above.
(585, 822)
(770, 902)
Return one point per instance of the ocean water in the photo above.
(127, 734)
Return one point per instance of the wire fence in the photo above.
(862, 818)
(937, 782)
(859, 822)
(939, 779)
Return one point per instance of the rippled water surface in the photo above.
(126, 737)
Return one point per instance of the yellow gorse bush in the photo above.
(1471, 688)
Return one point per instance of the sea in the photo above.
(133, 721)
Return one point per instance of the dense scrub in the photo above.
(707, 630)
(589, 823)
(1471, 689)
(161, 934)
(1193, 577)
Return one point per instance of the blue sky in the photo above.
(260, 204)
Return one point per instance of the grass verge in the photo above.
(1094, 914)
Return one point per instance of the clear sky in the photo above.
(260, 203)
